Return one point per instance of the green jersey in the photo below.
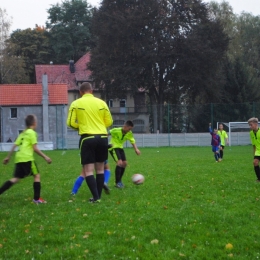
(118, 138)
(223, 136)
(25, 142)
(255, 140)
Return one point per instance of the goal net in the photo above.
(234, 127)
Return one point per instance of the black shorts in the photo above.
(25, 169)
(222, 147)
(257, 157)
(118, 154)
(93, 148)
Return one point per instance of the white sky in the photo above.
(26, 13)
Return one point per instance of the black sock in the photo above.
(7, 185)
(122, 173)
(118, 174)
(37, 190)
(257, 172)
(100, 183)
(92, 184)
(221, 154)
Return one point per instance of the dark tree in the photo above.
(169, 48)
(69, 29)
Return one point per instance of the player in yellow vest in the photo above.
(91, 117)
(255, 140)
(25, 165)
(119, 136)
(223, 138)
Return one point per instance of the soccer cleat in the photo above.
(219, 159)
(91, 200)
(39, 201)
(106, 189)
(119, 185)
(72, 194)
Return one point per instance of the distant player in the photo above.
(223, 138)
(119, 136)
(255, 140)
(215, 143)
(24, 160)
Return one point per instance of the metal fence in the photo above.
(172, 140)
(190, 122)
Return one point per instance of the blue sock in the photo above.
(107, 176)
(216, 156)
(77, 184)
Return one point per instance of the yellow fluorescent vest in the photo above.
(89, 115)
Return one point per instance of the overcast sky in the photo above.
(26, 13)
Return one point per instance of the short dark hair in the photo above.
(30, 120)
(129, 123)
(85, 87)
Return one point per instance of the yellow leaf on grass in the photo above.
(229, 246)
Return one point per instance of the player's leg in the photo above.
(115, 153)
(78, 183)
(8, 184)
(87, 156)
(106, 177)
(214, 153)
(106, 172)
(36, 184)
(123, 166)
(221, 152)
(100, 158)
(17, 175)
(256, 167)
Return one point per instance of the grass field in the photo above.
(189, 207)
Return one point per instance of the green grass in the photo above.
(189, 204)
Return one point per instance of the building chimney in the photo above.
(45, 108)
(72, 67)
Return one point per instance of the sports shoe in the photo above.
(91, 200)
(39, 201)
(72, 194)
(119, 185)
(106, 189)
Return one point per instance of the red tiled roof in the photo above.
(31, 94)
(62, 74)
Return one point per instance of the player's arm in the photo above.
(254, 148)
(39, 152)
(72, 118)
(108, 120)
(210, 129)
(137, 151)
(7, 158)
(226, 138)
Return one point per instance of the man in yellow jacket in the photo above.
(91, 117)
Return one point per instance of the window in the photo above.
(20, 131)
(122, 106)
(13, 112)
(122, 103)
(110, 103)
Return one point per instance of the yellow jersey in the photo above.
(89, 115)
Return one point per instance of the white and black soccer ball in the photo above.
(137, 179)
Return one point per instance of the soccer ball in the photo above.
(137, 178)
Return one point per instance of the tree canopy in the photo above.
(172, 49)
(68, 24)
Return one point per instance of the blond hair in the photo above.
(253, 120)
